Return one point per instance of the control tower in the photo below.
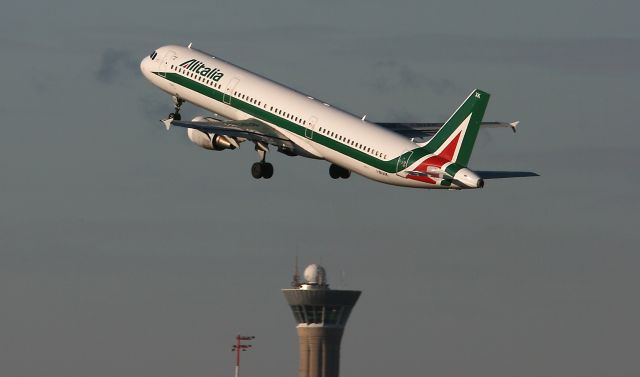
(321, 315)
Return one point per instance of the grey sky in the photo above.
(126, 251)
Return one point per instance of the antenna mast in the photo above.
(240, 346)
(296, 275)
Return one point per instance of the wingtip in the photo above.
(167, 123)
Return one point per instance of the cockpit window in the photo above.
(153, 55)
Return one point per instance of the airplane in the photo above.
(247, 107)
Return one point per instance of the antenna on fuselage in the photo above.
(190, 43)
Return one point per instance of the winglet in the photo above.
(514, 125)
(167, 123)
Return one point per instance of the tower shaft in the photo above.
(319, 351)
(321, 315)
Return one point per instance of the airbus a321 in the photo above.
(247, 107)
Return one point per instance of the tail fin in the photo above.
(454, 141)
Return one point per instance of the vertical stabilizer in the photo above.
(454, 141)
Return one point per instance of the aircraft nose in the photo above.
(144, 63)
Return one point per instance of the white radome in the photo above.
(315, 274)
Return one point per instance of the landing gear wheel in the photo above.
(262, 170)
(267, 170)
(256, 170)
(334, 171)
(175, 116)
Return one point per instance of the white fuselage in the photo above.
(329, 133)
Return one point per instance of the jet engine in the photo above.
(212, 142)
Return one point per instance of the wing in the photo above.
(250, 129)
(427, 130)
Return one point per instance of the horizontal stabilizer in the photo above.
(426, 130)
(505, 174)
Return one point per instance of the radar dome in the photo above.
(314, 274)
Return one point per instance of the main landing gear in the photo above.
(177, 101)
(336, 172)
(262, 169)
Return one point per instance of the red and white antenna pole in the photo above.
(238, 347)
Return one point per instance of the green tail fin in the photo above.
(455, 140)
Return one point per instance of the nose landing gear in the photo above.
(177, 101)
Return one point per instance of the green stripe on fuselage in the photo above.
(261, 114)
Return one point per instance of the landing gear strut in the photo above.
(262, 169)
(336, 172)
(177, 101)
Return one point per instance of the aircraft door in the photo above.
(311, 125)
(403, 161)
(226, 97)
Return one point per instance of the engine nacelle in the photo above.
(212, 142)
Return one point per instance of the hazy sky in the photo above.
(127, 251)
